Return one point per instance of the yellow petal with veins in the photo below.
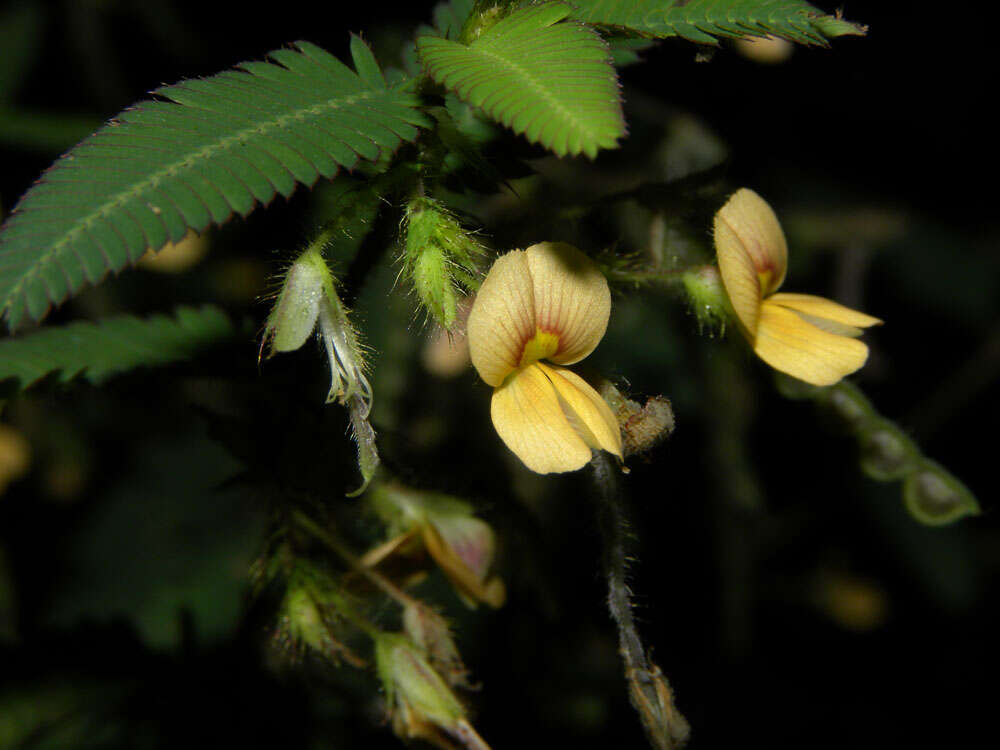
(530, 420)
(589, 414)
(820, 307)
(751, 222)
(739, 276)
(572, 299)
(792, 345)
(502, 319)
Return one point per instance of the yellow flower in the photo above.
(549, 302)
(810, 338)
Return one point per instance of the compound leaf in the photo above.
(550, 80)
(205, 150)
(704, 21)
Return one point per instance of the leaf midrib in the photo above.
(539, 88)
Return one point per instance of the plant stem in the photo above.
(353, 561)
(648, 689)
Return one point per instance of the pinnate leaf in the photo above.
(543, 77)
(97, 351)
(204, 150)
(704, 21)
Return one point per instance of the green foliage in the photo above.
(703, 21)
(552, 82)
(206, 149)
(98, 350)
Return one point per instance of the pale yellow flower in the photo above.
(549, 302)
(810, 338)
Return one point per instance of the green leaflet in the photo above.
(552, 82)
(111, 346)
(204, 150)
(702, 21)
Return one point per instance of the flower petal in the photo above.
(530, 420)
(572, 299)
(820, 307)
(739, 276)
(586, 410)
(472, 585)
(746, 226)
(790, 344)
(502, 318)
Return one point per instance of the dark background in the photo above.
(752, 613)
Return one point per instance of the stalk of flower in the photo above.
(810, 338)
(547, 303)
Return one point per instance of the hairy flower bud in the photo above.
(420, 703)
(707, 297)
(310, 615)
(440, 258)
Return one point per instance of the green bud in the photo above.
(887, 453)
(936, 497)
(440, 258)
(420, 703)
(708, 299)
(485, 14)
(310, 615)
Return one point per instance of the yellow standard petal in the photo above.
(794, 346)
(530, 420)
(752, 222)
(572, 299)
(589, 414)
(502, 319)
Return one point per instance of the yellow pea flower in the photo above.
(810, 338)
(549, 302)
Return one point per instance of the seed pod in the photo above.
(849, 405)
(887, 453)
(936, 497)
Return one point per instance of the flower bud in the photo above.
(309, 616)
(462, 545)
(440, 258)
(887, 453)
(430, 631)
(708, 298)
(420, 704)
(936, 497)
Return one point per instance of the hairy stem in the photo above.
(648, 688)
(353, 561)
